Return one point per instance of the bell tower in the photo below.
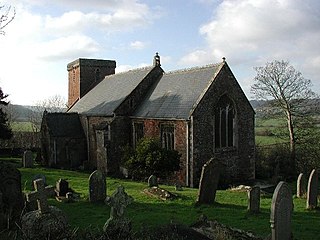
(85, 74)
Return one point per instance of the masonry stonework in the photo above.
(84, 74)
(238, 160)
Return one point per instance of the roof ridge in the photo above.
(132, 70)
(194, 68)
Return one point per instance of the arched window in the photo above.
(224, 123)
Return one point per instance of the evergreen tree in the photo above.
(5, 130)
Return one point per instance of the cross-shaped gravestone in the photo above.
(41, 194)
(118, 224)
(118, 201)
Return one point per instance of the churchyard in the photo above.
(148, 213)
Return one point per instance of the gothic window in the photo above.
(224, 123)
(167, 136)
(137, 132)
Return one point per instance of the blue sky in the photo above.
(46, 35)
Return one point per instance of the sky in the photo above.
(46, 35)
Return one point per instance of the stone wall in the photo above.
(84, 74)
(151, 128)
(239, 159)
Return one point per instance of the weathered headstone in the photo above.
(38, 176)
(281, 212)
(152, 181)
(312, 193)
(40, 195)
(301, 185)
(118, 224)
(47, 222)
(11, 196)
(62, 187)
(97, 186)
(209, 182)
(27, 159)
(254, 199)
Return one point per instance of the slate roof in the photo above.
(177, 93)
(64, 125)
(104, 98)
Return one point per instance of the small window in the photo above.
(137, 132)
(97, 79)
(167, 136)
(224, 127)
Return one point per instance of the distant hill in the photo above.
(22, 113)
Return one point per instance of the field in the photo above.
(229, 209)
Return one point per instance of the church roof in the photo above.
(174, 96)
(104, 98)
(178, 93)
(64, 125)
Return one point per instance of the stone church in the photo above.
(201, 112)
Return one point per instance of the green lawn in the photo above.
(230, 207)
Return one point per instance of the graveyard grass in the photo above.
(147, 213)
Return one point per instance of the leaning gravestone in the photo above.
(281, 212)
(11, 202)
(152, 181)
(312, 193)
(97, 186)
(47, 222)
(27, 159)
(254, 199)
(117, 224)
(209, 182)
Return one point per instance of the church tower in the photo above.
(85, 74)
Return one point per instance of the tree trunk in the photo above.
(292, 143)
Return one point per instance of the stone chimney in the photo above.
(85, 74)
(156, 60)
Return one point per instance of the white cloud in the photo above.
(67, 48)
(250, 32)
(138, 45)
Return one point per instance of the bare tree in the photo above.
(54, 103)
(7, 14)
(289, 91)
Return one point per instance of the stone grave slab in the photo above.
(209, 182)
(97, 186)
(301, 185)
(312, 192)
(254, 199)
(281, 212)
(11, 200)
(27, 159)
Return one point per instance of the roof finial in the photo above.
(223, 59)
(156, 60)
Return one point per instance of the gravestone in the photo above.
(301, 185)
(38, 176)
(47, 222)
(40, 195)
(62, 187)
(312, 192)
(118, 224)
(27, 159)
(152, 181)
(281, 212)
(209, 182)
(254, 199)
(11, 201)
(97, 186)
